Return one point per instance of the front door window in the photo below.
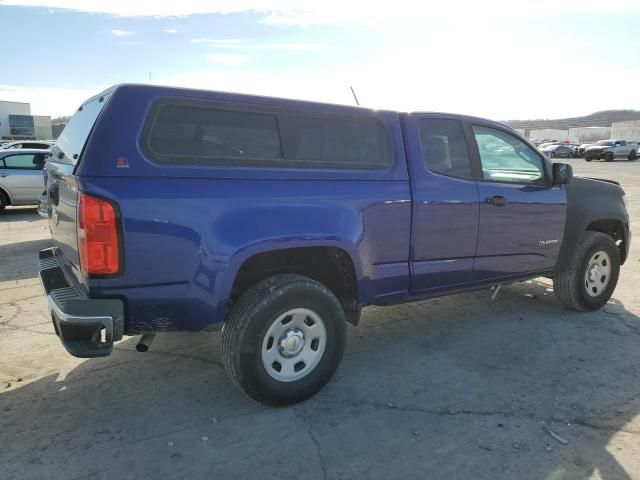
(505, 158)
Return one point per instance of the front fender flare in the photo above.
(589, 200)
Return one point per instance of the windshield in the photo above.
(607, 143)
(75, 134)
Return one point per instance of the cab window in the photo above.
(505, 158)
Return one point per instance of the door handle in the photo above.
(497, 200)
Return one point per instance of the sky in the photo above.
(501, 59)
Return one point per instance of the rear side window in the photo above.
(206, 133)
(444, 148)
(193, 134)
(25, 161)
(334, 142)
(72, 140)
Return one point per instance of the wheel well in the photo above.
(328, 265)
(6, 195)
(614, 229)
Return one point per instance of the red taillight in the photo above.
(97, 236)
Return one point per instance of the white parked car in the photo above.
(609, 149)
(21, 176)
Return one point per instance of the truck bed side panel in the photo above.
(187, 229)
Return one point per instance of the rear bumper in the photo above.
(43, 206)
(87, 327)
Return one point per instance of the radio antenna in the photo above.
(354, 95)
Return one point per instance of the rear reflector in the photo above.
(97, 236)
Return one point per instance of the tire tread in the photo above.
(566, 282)
(243, 312)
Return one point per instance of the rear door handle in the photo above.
(497, 200)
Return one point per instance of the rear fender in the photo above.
(227, 279)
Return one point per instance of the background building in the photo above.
(17, 123)
(589, 134)
(549, 134)
(626, 130)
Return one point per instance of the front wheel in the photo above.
(608, 157)
(590, 279)
(284, 339)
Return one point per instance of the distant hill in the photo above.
(599, 119)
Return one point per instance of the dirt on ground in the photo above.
(456, 387)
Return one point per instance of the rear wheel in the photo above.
(284, 339)
(592, 275)
(632, 155)
(4, 201)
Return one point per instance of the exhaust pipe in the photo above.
(145, 342)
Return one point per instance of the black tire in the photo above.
(570, 285)
(249, 321)
(632, 155)
(553, 155)
(608, 157)
(4, 200)
(587, 159)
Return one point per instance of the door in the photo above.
(21, 175)
(445, 203)
(521, 215)
(621, 149)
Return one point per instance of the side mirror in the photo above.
(562, 173)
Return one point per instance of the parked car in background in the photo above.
(281, 219)
(558, 151)
(21, 176)
(610, 149)
(39, 144)
(583, 147)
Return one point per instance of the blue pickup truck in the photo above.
(277, 220)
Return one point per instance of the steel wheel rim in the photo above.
(293, 345)
(598, 273)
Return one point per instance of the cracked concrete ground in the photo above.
(456, 387)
